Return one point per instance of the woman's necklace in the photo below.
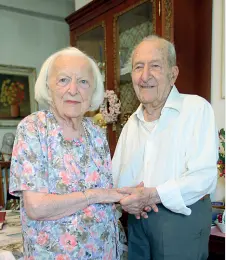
(87, 150)
(84, 161)
(70, 147)
(99, 150)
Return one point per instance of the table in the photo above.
(216, 244)
(11, 235)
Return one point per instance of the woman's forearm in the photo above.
(42, 206)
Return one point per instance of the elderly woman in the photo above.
(61, 166)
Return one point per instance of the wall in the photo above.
(217, 82)
(60, 8)
(217, 60)
(31, 36)
(30, 31)
(80, 3)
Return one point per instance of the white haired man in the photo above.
(167, 153)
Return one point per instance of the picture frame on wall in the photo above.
(16, 94)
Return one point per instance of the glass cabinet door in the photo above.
(132, 26)
(92, 42)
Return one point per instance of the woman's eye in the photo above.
(63, 81)
(84, 83)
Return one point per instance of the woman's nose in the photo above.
(73, 88)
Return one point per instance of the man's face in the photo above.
(71, 84)
(151, 75)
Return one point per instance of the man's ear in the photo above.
(174, 75)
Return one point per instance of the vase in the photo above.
(15, 110)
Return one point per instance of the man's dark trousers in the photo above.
(170, 236)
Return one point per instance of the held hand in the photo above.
(112, 195)
(145, 210)
(139, 199)
(103, 196)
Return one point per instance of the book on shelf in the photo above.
(217, 203)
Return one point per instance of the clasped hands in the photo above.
(139, 200)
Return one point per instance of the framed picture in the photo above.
(16, 94)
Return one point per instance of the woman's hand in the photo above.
(112, 195)
(104, 195)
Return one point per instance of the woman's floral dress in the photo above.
(43, 161)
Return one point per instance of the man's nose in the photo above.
(73, 88)
(145, 74)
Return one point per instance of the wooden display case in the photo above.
(108, 31)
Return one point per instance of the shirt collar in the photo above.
(173, 101)
(140, 112)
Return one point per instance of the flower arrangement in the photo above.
(12, 92)
(98, 119)
(110, 109)
(221, 160)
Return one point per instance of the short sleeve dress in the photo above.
(43, 161)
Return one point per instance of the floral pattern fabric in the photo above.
(43, 161)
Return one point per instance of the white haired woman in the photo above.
(61, 166)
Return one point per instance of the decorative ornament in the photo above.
(221, 160)
(110, 109)
(98, 119)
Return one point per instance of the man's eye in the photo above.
(155, 66)
(138, 67)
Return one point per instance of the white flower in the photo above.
(110, 109)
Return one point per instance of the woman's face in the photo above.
(71, 83)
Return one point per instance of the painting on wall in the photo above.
(16, 94)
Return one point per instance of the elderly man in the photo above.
(167, 153)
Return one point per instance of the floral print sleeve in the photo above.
(28, 164)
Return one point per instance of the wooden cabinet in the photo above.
(108, 30)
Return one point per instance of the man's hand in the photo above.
(140, 200)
